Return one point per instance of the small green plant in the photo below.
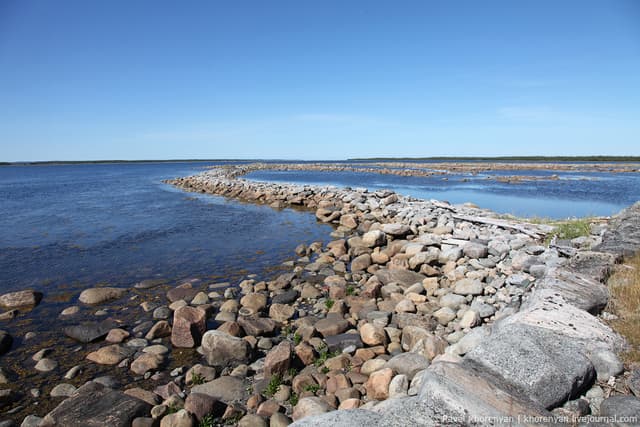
(196, 378)
(324, 370)
(570, 229)
(292, 372)
(323, 355)
(329, 303)
(207, 421)
(286, 330)
(297, 338)
(273, 386)
(293, 399)
(350, 290)
(234, 419)
(172, 409)
(313, 388)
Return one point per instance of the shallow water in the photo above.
(78, 225)
(574, 194)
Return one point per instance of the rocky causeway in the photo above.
(418, 312)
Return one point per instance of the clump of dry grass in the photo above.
(624, 286)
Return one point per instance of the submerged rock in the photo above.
(20, 299)
(100, 295)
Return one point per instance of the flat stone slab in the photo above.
(20, 299)
(94, 405)
(577, 289)
(225, 389)
(546, 309)
(547, 367)
(90, 331)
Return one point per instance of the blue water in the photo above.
(79, 225)
(575, 194)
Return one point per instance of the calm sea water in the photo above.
(574, 194)
(78, 225)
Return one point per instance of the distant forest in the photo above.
(369, 159)
(512, 158)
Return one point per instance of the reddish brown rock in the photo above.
(278, 359)
(188, 327)
(200, 405)
(378, 384)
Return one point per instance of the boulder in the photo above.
(361, 262)
(227, 389)
(624, 409)
(407, 364)
(468, 287)
(200, 405)
(221, 349)
(475, 250)
(94, 405)
(331, 325)
(351, 417)
(87, 332)
(20, 299)
(548, 367)
(281, 312)
(577, 289)
(146, 362)
(404, 278)
(623, 235)
(160, 329)
(100, 295)
(396, 229)
(182, 292)
(256, 326)
(189, 323)
(110, 355)
(308, 406)
(377, 385)
(182, 418)
(341, 341)
(374, 238)
(278, 359)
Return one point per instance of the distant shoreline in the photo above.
(509, 158)
(616, 159)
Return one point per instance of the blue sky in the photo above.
(317, 80)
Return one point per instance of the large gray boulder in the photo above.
(623, 235)
(548, 310)
(457, 390)
(547, 367)
(577, 289)
(354, 417)
(624, 409)
(90, 331)
(226, 389)
(94, 405)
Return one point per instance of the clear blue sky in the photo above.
(317, 79)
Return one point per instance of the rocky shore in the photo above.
(446, 169)
(417, 313)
